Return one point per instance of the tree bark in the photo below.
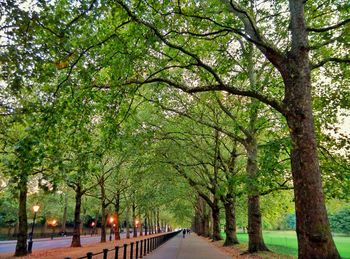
(127, 222)
(256, 241)
(103, 212)
(312, 226)
(158, 222)
(215, 212)
(230, 219)
(21, 246)
(116, 212)
(77, 221)
(134, 220)
(146, 225)
(103, 223)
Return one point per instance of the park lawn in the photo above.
(285, 242)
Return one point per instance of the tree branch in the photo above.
(325, 29)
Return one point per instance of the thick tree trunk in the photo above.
(230, 218)
(116, 212)
(215, 212)
(103, 212)
(127, 222)
(312, 226)
(77, 221)
(103, 223)
(140, 222)
(134, 220)
(256, 241)
(158, 222)
(150, 224)
(21, 246)
(146, 225)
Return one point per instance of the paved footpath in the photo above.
(190, 247)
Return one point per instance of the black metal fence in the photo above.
(133, 250)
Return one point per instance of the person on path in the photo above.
(183, 233)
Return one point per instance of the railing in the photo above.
(140, 247)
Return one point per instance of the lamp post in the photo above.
(111, 220)
(30, 242)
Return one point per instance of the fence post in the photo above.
(124, 253)
(137, 250)
(131, 250)
(116, 252)
(105, 253)
(89, 255)
(141, 250)
(145, 246)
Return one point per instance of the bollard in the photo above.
(147, 245)
(89, 255)
(116, 249)
(105, 253)
(125, 252)
(144, 247)
(131, 250)
(137, 250)
(141, 250)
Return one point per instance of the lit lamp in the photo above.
(137, 222)
(111, 220)
(30, 242)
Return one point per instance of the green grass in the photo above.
(285, 242)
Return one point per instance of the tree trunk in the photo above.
(134, 220)
(215, 212)
(103, 212)
(312, 226)
(140, 222)
(103, 223)
(127, 222)
(150, 224)
(116, 212)
(230, 219)
(21, 246)
(77, 221)
(256, 241)
(158, 222)
(64, 217)
(146, 225)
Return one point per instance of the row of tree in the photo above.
(77, 108)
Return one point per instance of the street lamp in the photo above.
(111, 220)
(30, 242)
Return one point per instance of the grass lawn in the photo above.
(285, 242)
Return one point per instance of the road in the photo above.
(10, 246)
(191, 247)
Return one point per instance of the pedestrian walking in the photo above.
(183, 233)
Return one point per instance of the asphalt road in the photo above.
(10, 246)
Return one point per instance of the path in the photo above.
(191, 247)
